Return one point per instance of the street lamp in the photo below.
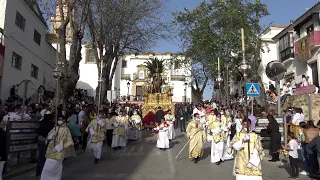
(128, 86)
(185, 92)
(57, 74)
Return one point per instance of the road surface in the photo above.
(143, 161)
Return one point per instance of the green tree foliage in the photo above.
(213, 29)
(154, 66)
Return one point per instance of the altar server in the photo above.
(169, 118)
(59, 140)
(226, 123)
(97, 131)
(217, 142)
(247, 167)
(197, 136)
(135, 130)
(162, 131)
(119, 132)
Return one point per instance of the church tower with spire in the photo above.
(55, 22)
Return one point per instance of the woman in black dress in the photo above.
(275, 138)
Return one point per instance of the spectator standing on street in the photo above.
(310, 133)
(292, 147)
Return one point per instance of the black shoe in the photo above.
(33, 161)
(196, 160)
(96, 161)
(218, 163)
(38, 174)
(119, 147)
(272, 160)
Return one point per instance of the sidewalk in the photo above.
(28, 167)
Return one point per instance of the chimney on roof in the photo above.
(291, 21)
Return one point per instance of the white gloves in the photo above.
(246, 137)
(58, 148)
(191, 137)
(115, 124)
(181, 118)
(250, 166)
(92, 131)
(52, 136)
(100, 122)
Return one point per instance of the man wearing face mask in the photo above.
(247, 164)
(97, 131)
(59, 140)
(197, 137)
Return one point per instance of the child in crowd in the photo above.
(292, 148)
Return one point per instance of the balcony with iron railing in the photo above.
(310, 41)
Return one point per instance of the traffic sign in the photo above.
(253, 89)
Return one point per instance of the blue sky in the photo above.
(281, 12)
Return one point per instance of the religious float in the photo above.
(156, 94)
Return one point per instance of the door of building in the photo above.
(139, 91)
(315, 79)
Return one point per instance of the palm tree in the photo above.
(155, 67)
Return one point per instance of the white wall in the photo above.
(178, 86)
(22, 43)
(270, 53)
(89, 74)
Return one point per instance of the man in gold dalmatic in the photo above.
(197, 136)
(59, 140)
(120, 131)
(97, 131)
(247, 167)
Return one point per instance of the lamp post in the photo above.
(128, 86)
(185, 92)
(57, 74)
(244, 68)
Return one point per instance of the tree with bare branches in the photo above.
(119, 27)
(68, 20)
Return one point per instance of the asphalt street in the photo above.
(143, 161)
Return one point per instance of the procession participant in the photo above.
(97, 131)
(162, 131)
(169, 118)
(135, 131)
(202, 115)
(119, 133)
(211, 117)
(217, 142)
(197, 137)
(109, 127)
(245, 168)
(59, 140)
(226, 131)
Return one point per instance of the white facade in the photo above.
(268, 53)
(26, 47)
(175, 74)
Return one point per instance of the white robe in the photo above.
(52, 169)
(163, 139)
(216, 148)
(226, 155)
(95, 148)
(118, 141)
(171, 132)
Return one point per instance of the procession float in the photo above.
(156, 93)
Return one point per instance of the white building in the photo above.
(89, 74)
(134, 74)
(131, 66)
(268, 53)
(27, 53)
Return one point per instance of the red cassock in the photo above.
(149, 119)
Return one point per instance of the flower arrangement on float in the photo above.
(149, 119)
